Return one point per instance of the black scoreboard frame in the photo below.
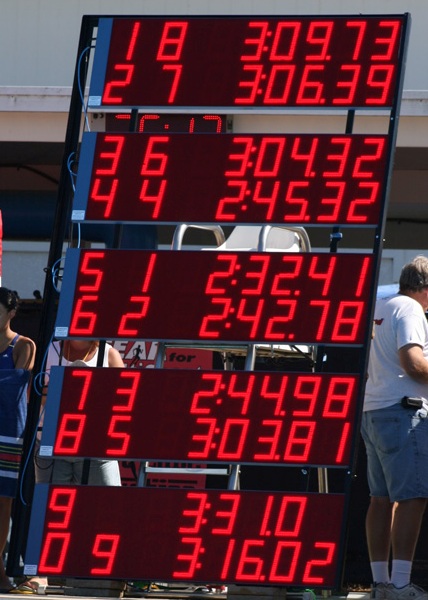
(56, 503)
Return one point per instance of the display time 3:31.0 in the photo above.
(218, 536)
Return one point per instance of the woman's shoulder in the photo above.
(24, 351)
(114, 357)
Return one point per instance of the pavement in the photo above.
(192, 594)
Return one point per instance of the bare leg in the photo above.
(406, 527)
(5, 510)
(378, 528)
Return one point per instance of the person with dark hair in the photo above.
(17, 354)
(96, 471)
(395, 433)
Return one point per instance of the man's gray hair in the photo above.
(414, 275)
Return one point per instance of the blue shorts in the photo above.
(396, 442)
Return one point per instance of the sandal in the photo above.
(26, 587)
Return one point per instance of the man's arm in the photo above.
(413, 362)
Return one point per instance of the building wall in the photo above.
(38, 47)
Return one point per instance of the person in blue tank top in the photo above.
(17, 354)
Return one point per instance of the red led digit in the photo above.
(325, 276)
(252, 82)
(335, 202)
(216, 119)
(324, 305)
(310, 90)
(231, 264)
(234, 430)
(234, 201)
(133, 40)
(172, 41)
(390, 41)
(362, 280)
(250, 567)
(339, 395)
(112, 157)
(330, 549)
(308, 156)
(130, 393)
(62, 503)
(290, 516)
(271, 332)
(197, 408)
(192, 558)
(156, 198)
(83, 321)
(247, 313)
(379, 147)
(302, 202)
(277, 395)
(300, 439)
(343, 440)
(145, 118)
(285, 41)
(128, 71)
(155, 162)
(355, 205)
(351, 75)
(69, 434)
(360, 27)
(270, 200)
(269, 157)
(291, 269)
(86, 375)
(242, 158)
(108, 196)
(281, 79)
(125, 438)
(258, 42)
(379, 79)
(306, 391)
(195, 515)
(265, 526)
(54, 552)
(261, 263)
(344, 146)
(292, 550)
(105, 547)
(124, 327)
(348, 321)
(149, 272)
(320, 34)
(229, 515)
(210, 320)
(96, 273)
(244, 395)
(205, 438)
(271, 440)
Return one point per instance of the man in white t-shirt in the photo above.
(395, 436)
